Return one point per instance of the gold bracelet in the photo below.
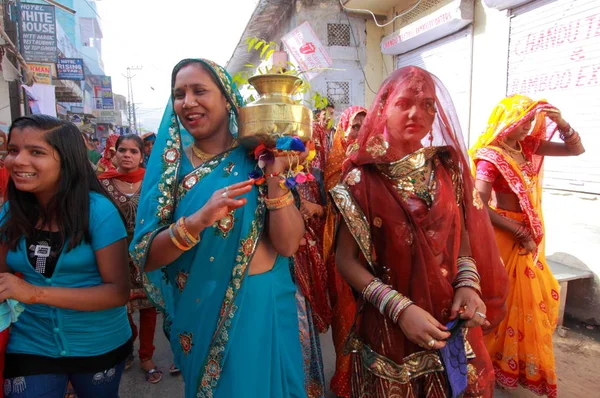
(280, 202)
(175, 241)
(185, 234)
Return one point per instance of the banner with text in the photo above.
(38, 32)
(42, 73)
(306, 48)
(70, 69)
(103, 95)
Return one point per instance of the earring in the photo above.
(228, 107)
(430, 138)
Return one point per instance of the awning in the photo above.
(9, 71)
(6, 42)
(68, 91)
(504, 4)
(440, 23)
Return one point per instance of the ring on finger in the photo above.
(431, 343)
(224, 194)
(480, 314)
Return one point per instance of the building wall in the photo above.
(490, 60)
(374, 66)
(348, 61)
(5, 114)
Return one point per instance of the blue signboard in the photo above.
(70, 69)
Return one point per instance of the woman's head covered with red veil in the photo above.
(412, 109)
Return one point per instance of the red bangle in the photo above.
(271, 175)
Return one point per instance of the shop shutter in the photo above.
(554, 54)
(450, 60)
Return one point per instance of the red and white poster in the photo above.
(305, 47)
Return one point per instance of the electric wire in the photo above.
(375, 17)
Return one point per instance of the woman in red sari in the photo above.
(343, 306)
(107, 162)
(124, 185)
(418, 247)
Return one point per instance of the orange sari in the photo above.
(340, 294)
(521, 346)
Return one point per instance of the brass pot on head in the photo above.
(275, 113)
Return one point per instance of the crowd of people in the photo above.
(425, 259)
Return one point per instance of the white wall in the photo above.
(346, 65)
(5, 117)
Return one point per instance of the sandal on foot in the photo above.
(151, 373)
(129, 361)
(174, 370)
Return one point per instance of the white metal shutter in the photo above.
(555, 54)
(450, 60)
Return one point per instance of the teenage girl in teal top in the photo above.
(63, 254)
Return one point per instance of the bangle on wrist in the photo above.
(387, 300)
(280, 202)
(175, 240)
(185, 233)
(467, 274)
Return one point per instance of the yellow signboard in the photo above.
(42, 73)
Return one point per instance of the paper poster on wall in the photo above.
(305, 47)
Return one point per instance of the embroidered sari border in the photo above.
(213, 363)
(196, 175)
(414, 366)
(355, 219)
(514, 178)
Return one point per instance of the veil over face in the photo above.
(376, 137)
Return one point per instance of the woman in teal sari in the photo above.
(214, 247)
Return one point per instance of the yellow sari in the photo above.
(521, 346)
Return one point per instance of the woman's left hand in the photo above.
(557, 118)
(13, 287)
(283, 163)
(470, 307)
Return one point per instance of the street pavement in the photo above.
(133, 383)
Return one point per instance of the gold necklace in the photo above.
(201, 155)
(204, 156)
(510, 150)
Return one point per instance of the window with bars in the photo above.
(419, 10)
(338, 34)
(338, 93)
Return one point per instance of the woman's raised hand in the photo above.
(557, 118)
(219, 205)
(421, 328)
(282, 163)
